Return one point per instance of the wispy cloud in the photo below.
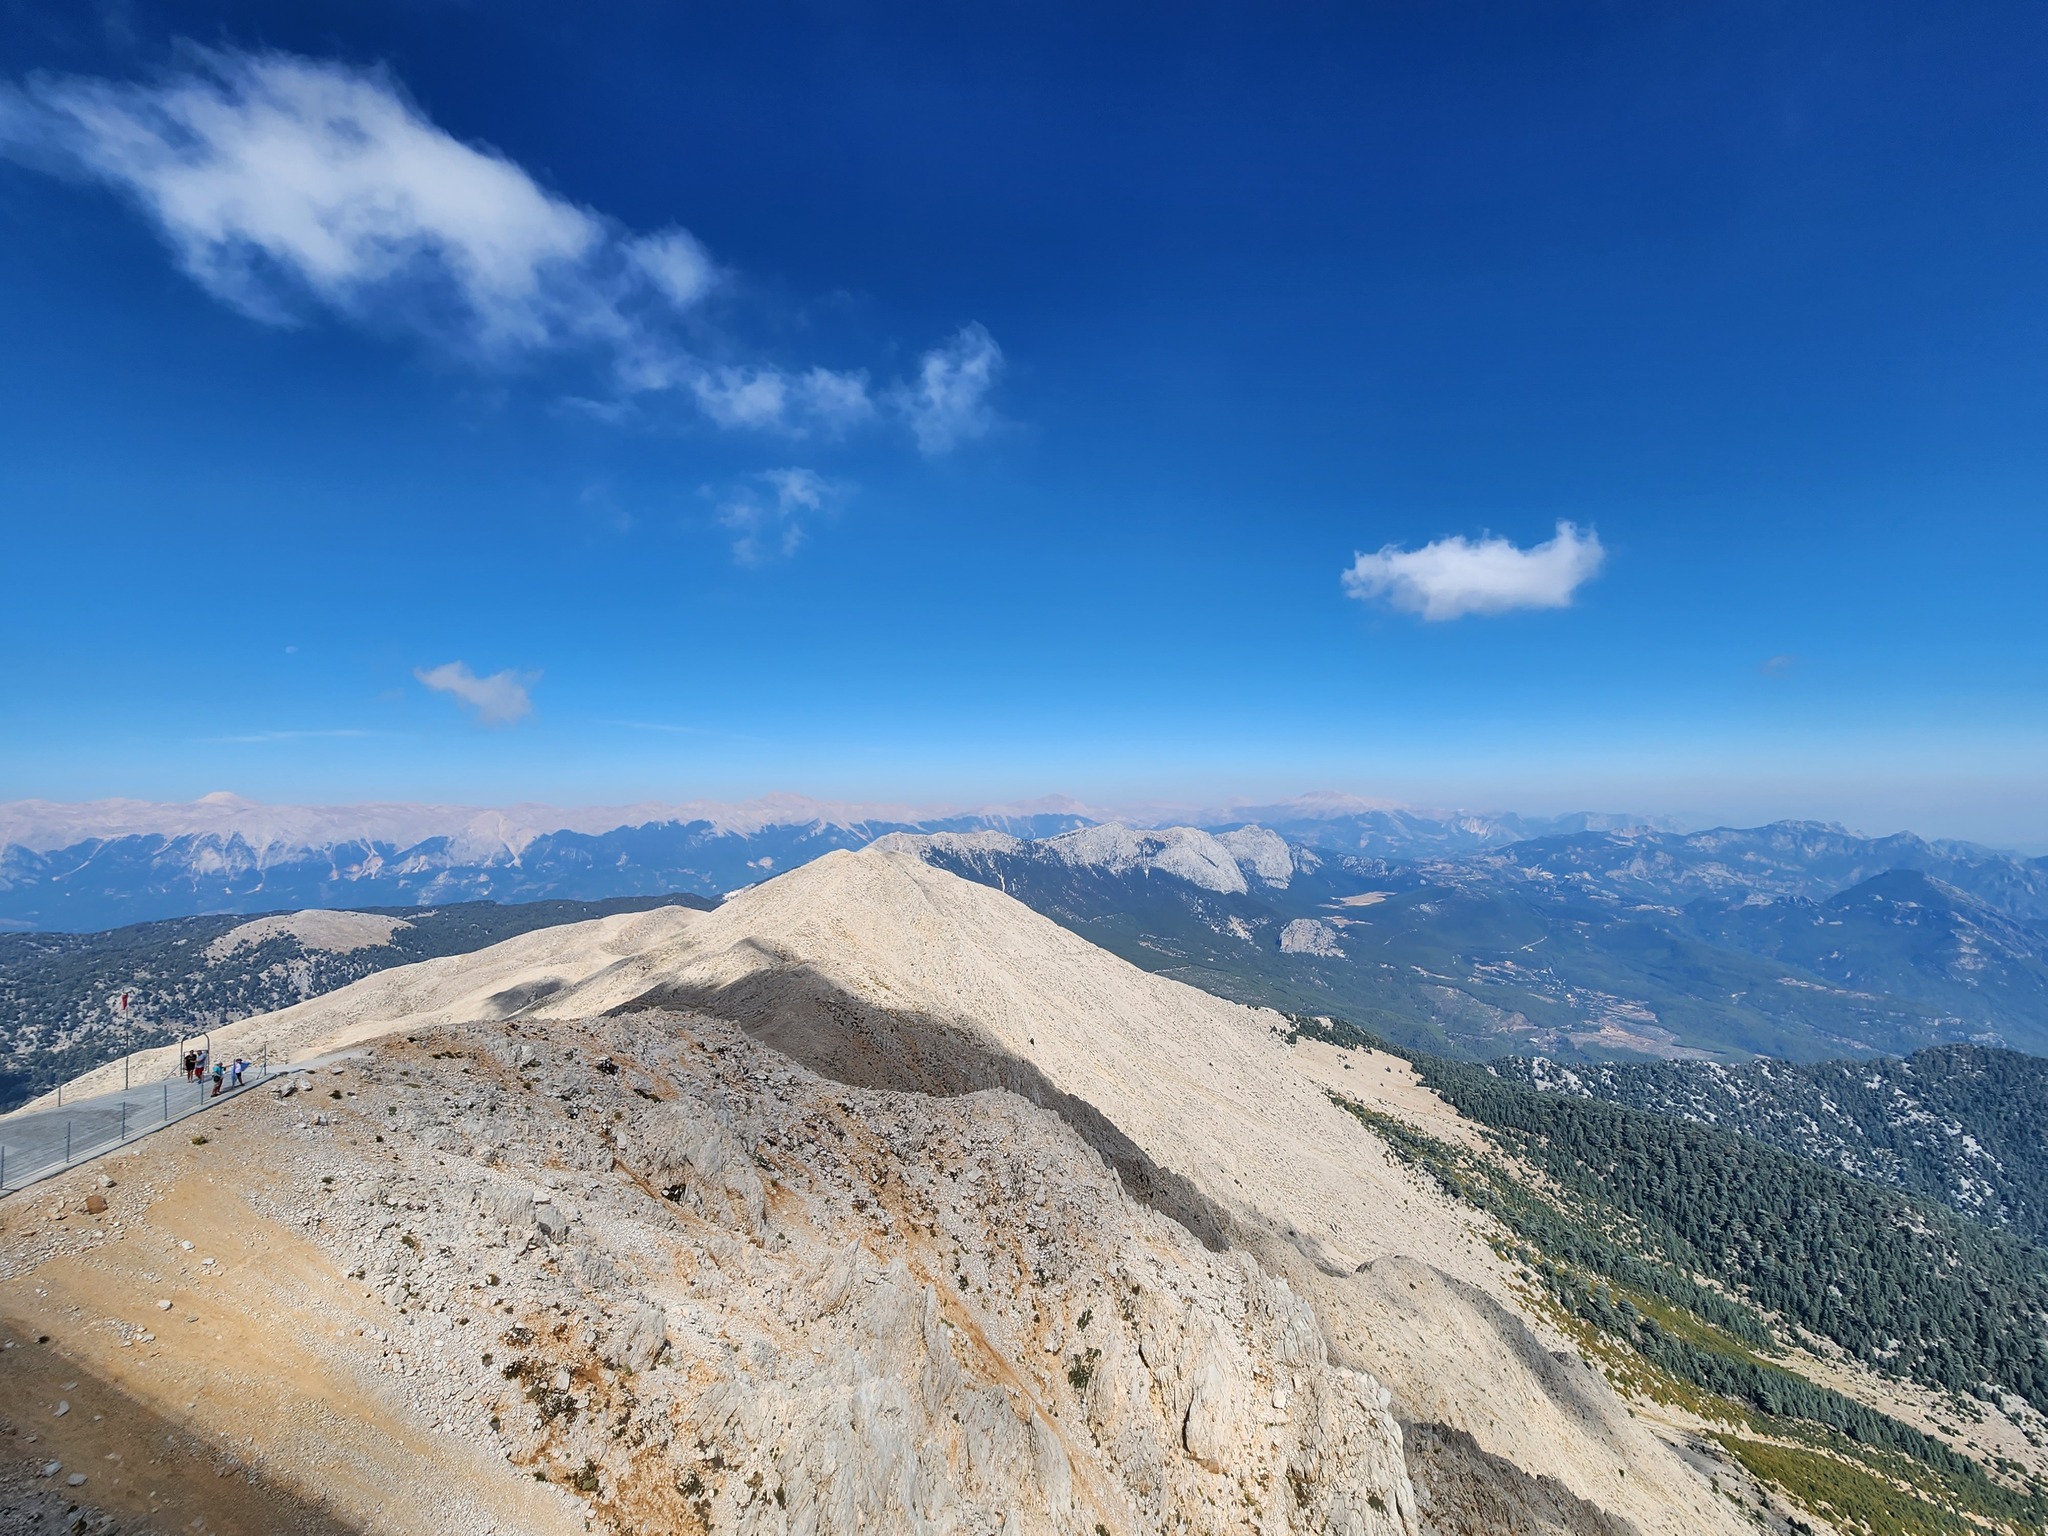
(947, 403)
(1453, 577)
(254, 738)
(1778, 666)
(286, 185)
(499, 699)
(817, 401)
(278, 179)
(768, 512)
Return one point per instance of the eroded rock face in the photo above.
(719, 1293)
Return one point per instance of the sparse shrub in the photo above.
(551, 1403)
(1081, 1369)
(198, 1141)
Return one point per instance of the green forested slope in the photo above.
(1963, 1124)
(1703, 1258)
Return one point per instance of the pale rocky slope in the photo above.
(787, 1304)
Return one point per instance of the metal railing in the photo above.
(114, 1127)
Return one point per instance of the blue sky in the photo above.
(914, 403)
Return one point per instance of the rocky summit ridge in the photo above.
(869, 1200)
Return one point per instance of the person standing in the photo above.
(219, 1072)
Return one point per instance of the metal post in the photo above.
(67, 1143)
(124, 1119)
(167, 1101)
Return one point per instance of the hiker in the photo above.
(191, 1064)
(201, 1072)
(235, 1072)
(219, 1072)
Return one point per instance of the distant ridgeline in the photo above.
(1581, 940)
(1692, 1260)
(100, 882)
(1585, 947)
(61, 993)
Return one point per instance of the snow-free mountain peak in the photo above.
(1224, 862)
(879, 971)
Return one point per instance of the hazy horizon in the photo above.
(55, 820)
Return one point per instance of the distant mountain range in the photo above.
(92, 866)
(259, 859)
(1648, 944)
(1580, 938)
(1785, 859)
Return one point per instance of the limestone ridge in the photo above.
(887, 1088)
(1230, 863)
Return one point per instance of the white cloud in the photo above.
(1456, 576)
(500, 699)
(836, 401)
(676, 264)
(743, 397)
(767, 515)
(285, 184)
(276, 178)
(947, 403)
(819, 402)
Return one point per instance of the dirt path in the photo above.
(253, 1397)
